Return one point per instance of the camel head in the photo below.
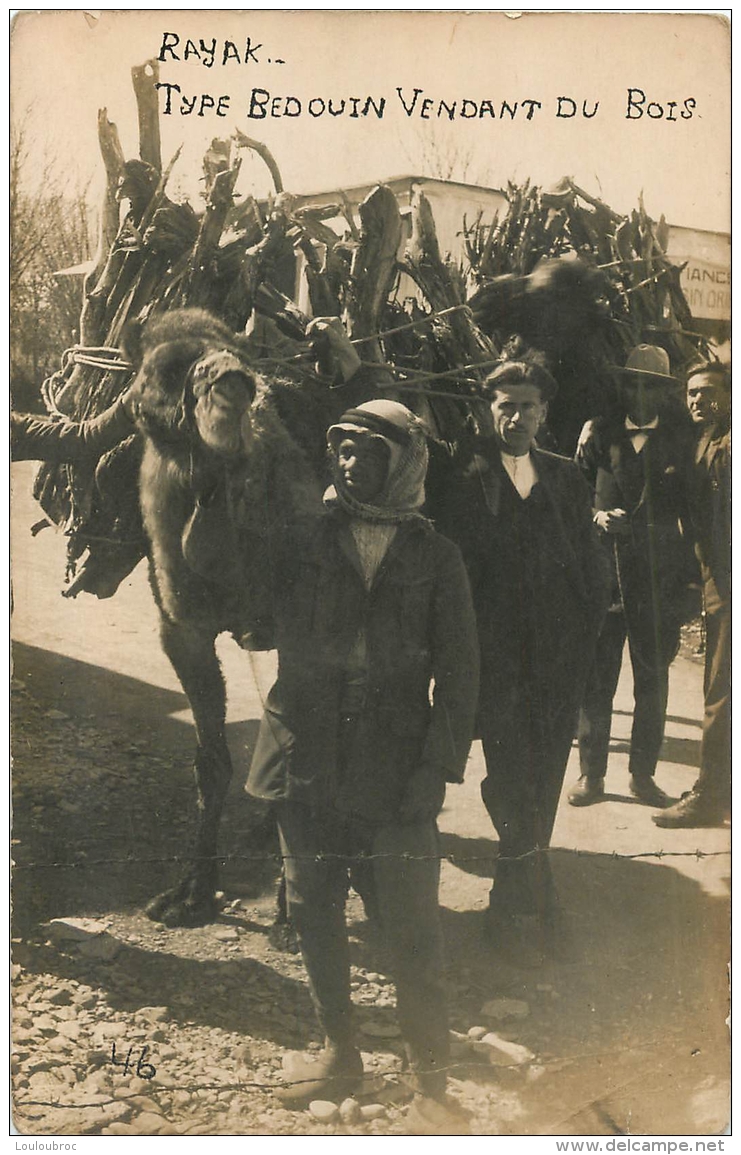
(194, 386)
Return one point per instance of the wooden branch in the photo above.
(429, 271)
(91, 331)
(318, 212)
(266, 255)
(220, 201)
(159, 193)
(423, 246)
(113, 160)
(459, 340)
(264, 153)
(316, 230)
(595, 202)
(374, 263)
(123, 265)
(325, 270)
(216, 159)
(144, 77)
(347, 212)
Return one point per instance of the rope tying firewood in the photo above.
(100, 356)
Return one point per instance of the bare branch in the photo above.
(264, 153)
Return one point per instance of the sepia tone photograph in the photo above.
(370, 551)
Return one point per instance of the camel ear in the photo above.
(131, 343)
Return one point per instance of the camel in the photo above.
(221, 474)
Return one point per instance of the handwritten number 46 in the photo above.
(143, 1070)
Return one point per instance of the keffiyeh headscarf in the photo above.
(405, 437)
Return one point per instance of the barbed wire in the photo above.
(459, 1065)
(278, 858)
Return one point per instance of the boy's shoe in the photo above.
(333, 1075)
(443, 1116)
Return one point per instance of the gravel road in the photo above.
(123, 1027)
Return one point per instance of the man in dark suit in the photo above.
(636, 466)
(522, 518)
(709, 403)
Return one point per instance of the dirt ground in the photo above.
(123, 1027)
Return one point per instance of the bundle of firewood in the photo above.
(584, 285)
(559, 271)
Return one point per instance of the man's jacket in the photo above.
(710, 508)
(419, 627)
(539, 578)
(654, 563)
(35, 438)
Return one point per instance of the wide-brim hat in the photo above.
(647, 361)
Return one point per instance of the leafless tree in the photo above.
(438, 151)
(50, 229)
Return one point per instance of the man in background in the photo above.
(637, 468)
(709, 403)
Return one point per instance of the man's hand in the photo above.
(336, 356)
(423, 798)
(130, 403)
(613, 521)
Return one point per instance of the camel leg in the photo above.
(191, 651)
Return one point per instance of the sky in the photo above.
(674, 146)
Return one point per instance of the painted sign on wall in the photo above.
(707, 287)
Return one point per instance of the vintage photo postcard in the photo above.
(370, 388)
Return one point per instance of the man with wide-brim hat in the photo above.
(637, 466)
(650, 362)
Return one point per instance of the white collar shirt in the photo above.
(637, 437)
(522, 472)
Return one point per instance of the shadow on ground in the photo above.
(105, 808)
(629, 1012)
(626, 1023)
(244, 995)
